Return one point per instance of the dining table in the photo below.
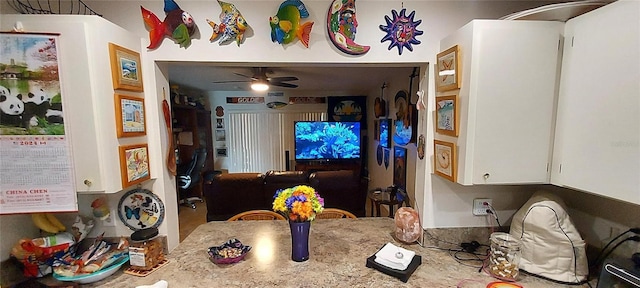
(338, 252)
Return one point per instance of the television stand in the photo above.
(329, 166)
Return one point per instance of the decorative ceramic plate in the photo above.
(230, 252)
(95, 276)
(140, 208)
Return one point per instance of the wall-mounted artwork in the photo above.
(126, 71)
(130, 118)
(342, 25)
(401, 30)
(232, 25)
(446, 115)
(402, 123)
(221, 152)
(177, 23)
(220, 135)
(400, 167)
(286, 25)
(134, 164)
(444, 154)
(448, 70)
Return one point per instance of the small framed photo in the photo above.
(220, 135)
(447, 115)
(448, 76)
(130, 116)
(221, 152)
(126, 72)
(444, 154)
(220, 123)
(134, 164)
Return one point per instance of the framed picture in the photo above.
(400, 167)
(221, 152)
(220, 135)
(376, 129)
(220, 123)
(444, 154)
(130, 119)
(126, 72)
(134, 164)
(448, 76)
(447, 115)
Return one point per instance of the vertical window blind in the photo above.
(258, 140)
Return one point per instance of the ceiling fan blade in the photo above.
(282, 79)
(245, 76)
(231, 81)
(282, 84)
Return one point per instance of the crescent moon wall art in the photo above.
(342, 25)
(401, 30)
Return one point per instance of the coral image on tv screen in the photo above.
(319, 140)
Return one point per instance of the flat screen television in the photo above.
(329, 141)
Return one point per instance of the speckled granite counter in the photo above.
(338, 252)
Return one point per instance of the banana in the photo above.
(54, 220)
(43, 223)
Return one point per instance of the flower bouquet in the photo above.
(298, 204)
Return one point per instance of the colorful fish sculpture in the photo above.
(178, 25)
(285, 25)
(232, 24)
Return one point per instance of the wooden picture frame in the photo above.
(444, 158)
(447, 115)
(134, 164)
(448, 70)
(126, 70)
(130, 116)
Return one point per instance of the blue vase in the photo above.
(299, 240)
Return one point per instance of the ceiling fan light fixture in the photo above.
(259, 85)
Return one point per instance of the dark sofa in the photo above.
(231, 193)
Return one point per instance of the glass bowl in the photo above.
(230, 252)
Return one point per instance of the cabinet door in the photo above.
(597, 146)
(508, 90)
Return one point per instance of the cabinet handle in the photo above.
(87, 182)
(486, 176)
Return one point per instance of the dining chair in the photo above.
(335, 213)
(257, 215)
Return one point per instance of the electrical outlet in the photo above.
(111, 220)
(479, 209)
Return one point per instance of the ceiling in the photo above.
(312, 77)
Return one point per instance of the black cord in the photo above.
(597, 259)
(630, 238)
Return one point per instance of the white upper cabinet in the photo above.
(597, 141)
(87, 93)
(508, 87)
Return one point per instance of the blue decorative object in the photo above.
(401, 30)
(299, 240)
(216, 253)
(140, 208)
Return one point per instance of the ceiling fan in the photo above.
(260, 81)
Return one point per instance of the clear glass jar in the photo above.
(145, 249)
(505, 256)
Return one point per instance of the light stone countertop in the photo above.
(338, 251)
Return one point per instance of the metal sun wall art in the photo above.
(232, 25)
(342, 25)
(401, 30)
(178, 25)
(286, 25)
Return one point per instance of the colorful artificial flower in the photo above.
(299, 204)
